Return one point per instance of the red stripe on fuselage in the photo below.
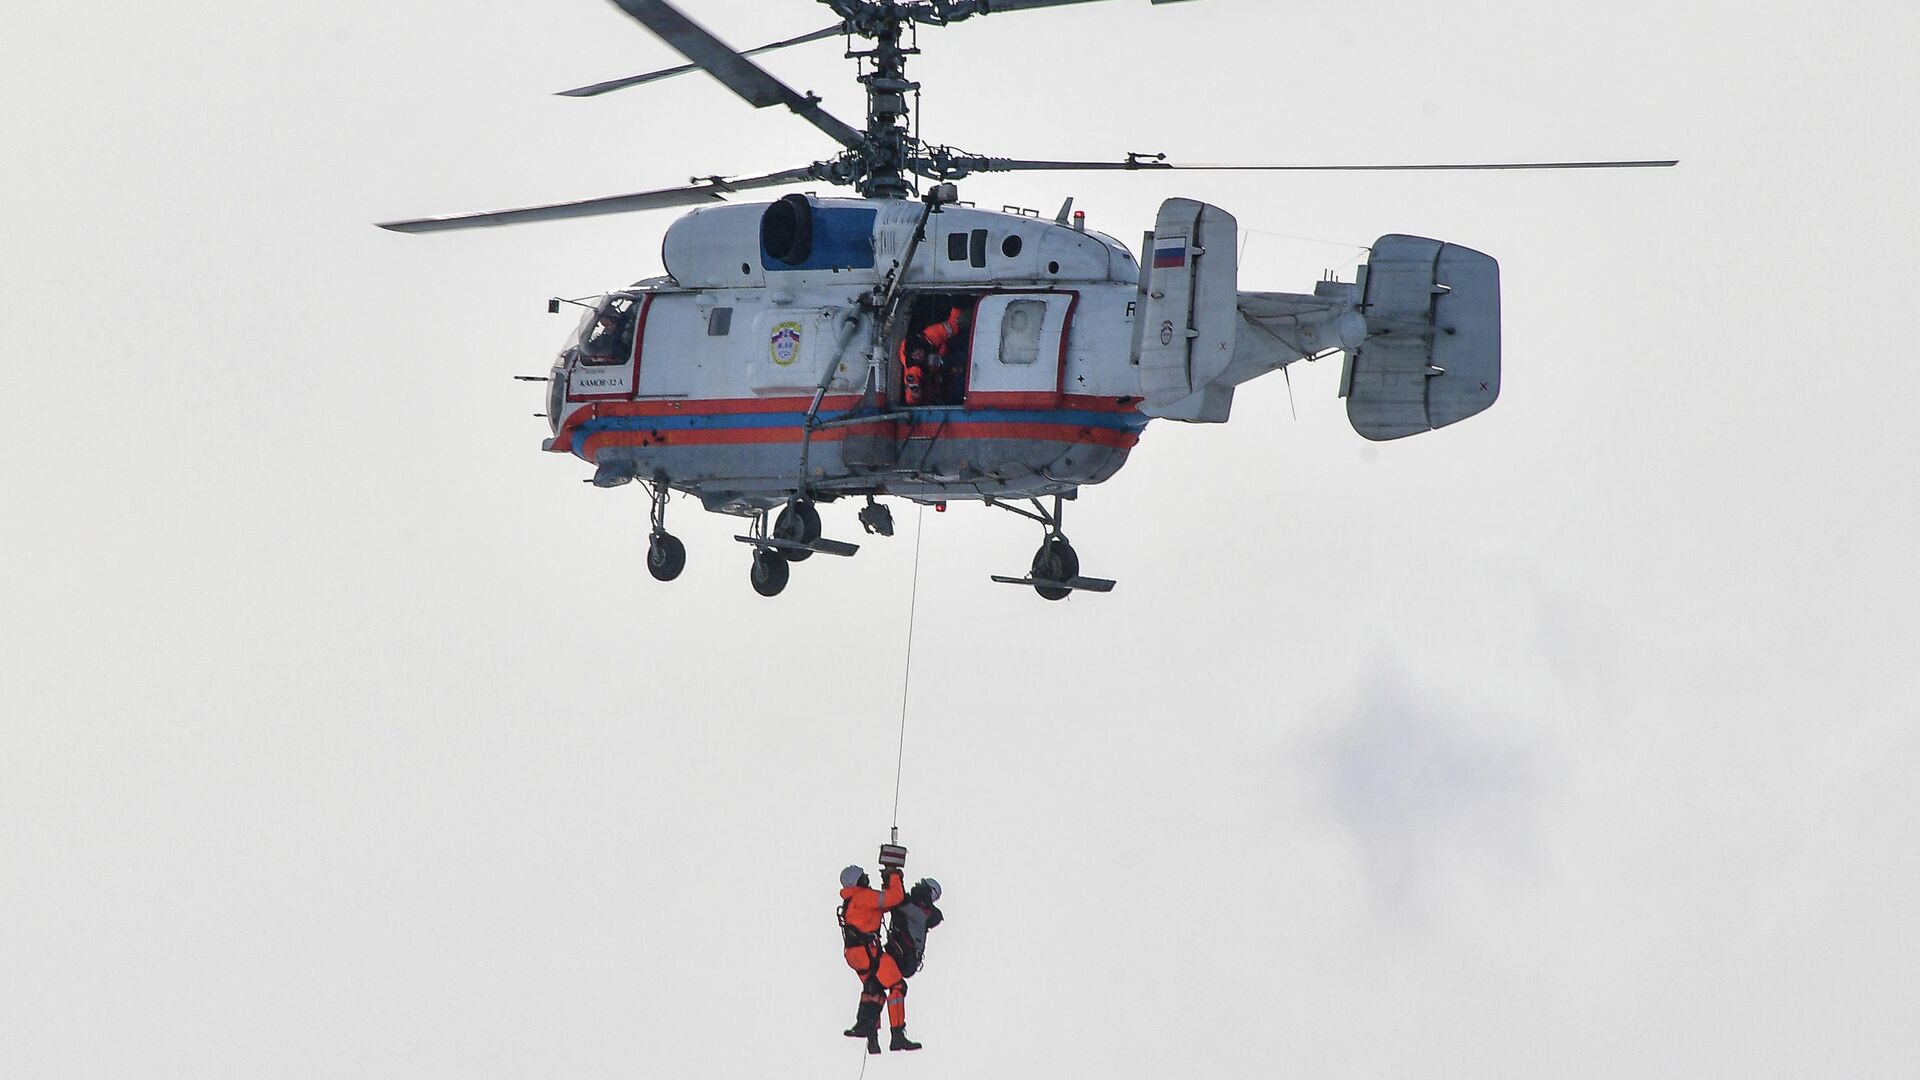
(1066, 433)
(957, 430)
(1046, 400)
(563, 440)
(1040, 401)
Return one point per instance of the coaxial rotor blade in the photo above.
(994, 7)
(991, 164)
(712, 189)
(666, 73)
(735, 72)
(956, 10)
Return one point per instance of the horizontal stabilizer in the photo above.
(1431, 356)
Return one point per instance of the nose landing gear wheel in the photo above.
(666, 556)
(1055, 561)
(770, 573)
(800, 523)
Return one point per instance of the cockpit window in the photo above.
(606, 334)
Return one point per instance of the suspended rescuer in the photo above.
(861, 908)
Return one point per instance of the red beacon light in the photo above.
(1079, 221)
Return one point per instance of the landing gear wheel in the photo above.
(666, 557)
(770, 573)
(800, 523)
(1055, 561)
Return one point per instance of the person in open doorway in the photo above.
(947, 342)
(942, 336)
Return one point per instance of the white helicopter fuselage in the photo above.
(1037, 397)
(780, 359)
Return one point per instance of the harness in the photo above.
(853, 937)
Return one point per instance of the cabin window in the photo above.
(719, 322)
(1020, 331)
(977, 248)
(1010, 247)
(957, 247)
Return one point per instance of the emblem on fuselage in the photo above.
(784, 345)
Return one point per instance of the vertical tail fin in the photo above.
(1185, 329)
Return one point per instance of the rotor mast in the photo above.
(888, 116)
(890, 152)
(880, 165)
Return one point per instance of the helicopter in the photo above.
(903, 343)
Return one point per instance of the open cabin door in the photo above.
(1019, 343)
(603, 363)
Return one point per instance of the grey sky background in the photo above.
(342, 732)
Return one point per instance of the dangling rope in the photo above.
(906, 679)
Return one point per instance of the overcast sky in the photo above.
(343, 733)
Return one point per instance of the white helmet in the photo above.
(933, 889)
(851, 876)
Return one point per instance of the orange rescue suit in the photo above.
(940, 333)
(880, 978)
(938, 337)
(865, 905)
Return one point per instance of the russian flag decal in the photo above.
(1169, 252)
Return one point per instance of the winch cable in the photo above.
(906, 678)
(906, 685)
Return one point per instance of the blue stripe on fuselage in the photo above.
(952, 417)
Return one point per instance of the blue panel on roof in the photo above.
(842, 240)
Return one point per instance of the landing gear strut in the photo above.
(794, 537)
(1056, 566)
(1055, 561)
(666, 555)
(770, 572)
(799, 523)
